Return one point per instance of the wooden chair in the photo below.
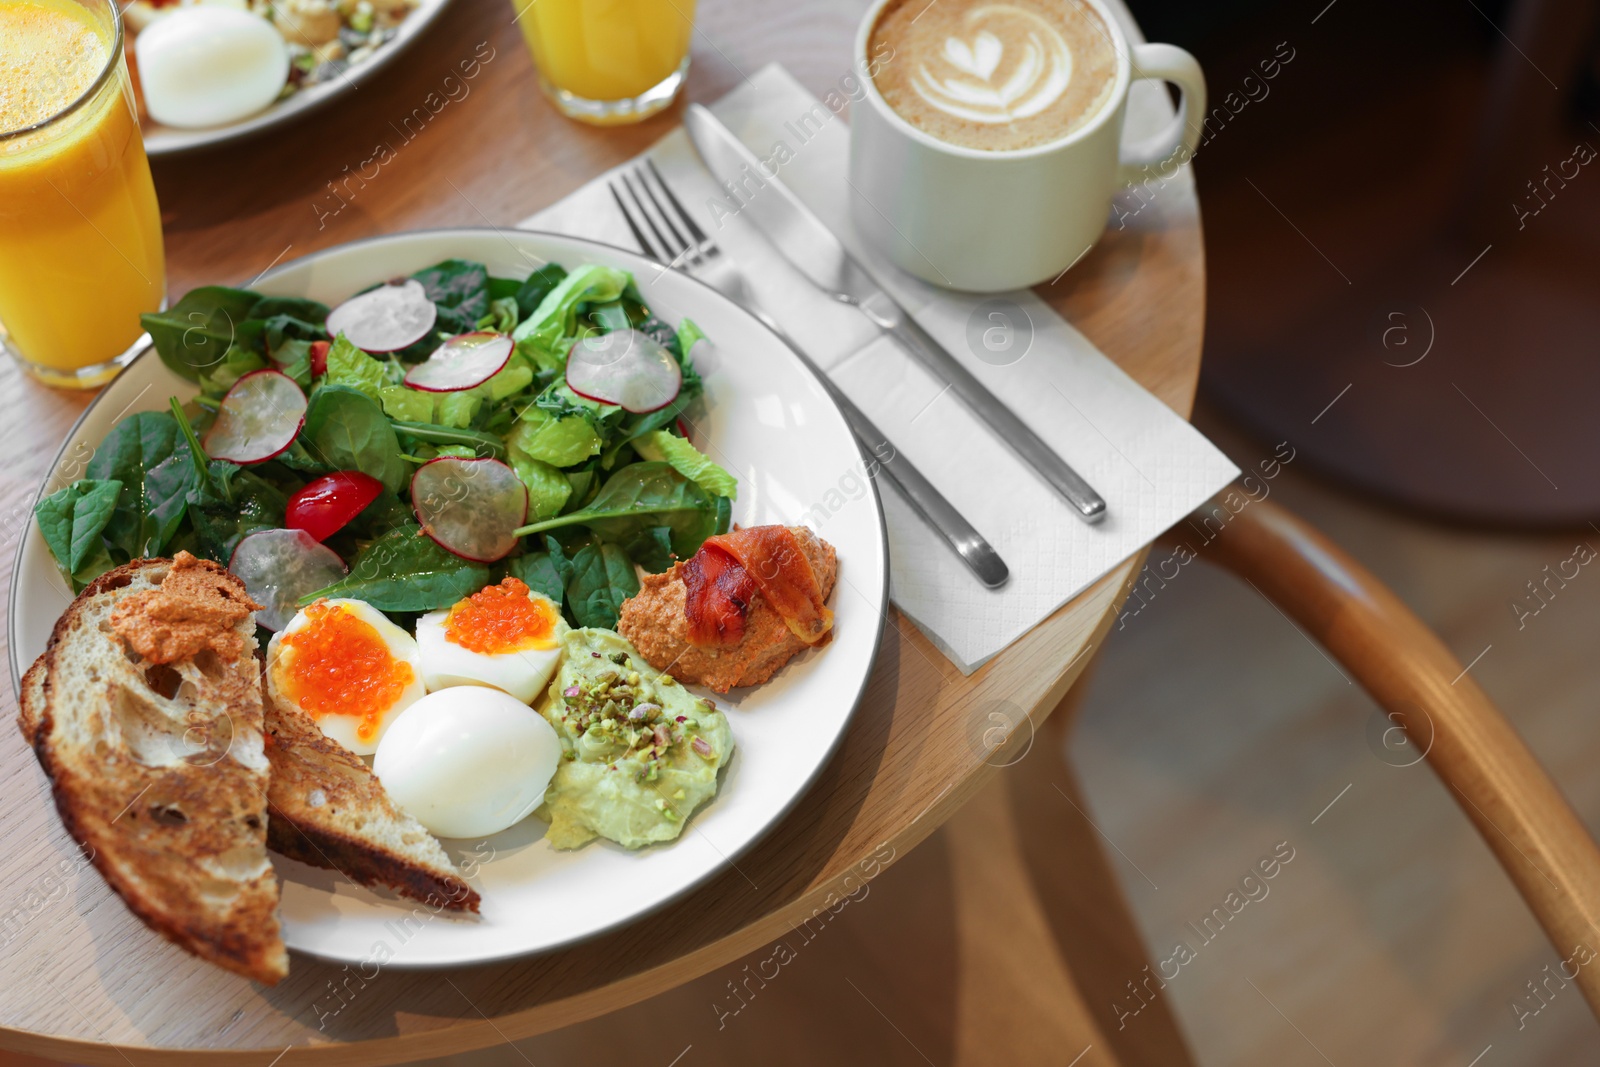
(1016, 839)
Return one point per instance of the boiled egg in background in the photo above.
(468, 761)
(209, 64)
(348, 667)
(506, 636)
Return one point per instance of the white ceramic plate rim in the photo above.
(162, 140)
(637, 264)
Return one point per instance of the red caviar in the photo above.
(338, 664)
(501, 618)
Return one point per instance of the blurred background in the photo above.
(1401, 230)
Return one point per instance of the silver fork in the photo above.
(677, 242)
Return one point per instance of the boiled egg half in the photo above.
(468, 761)
(506, 636)
(349, 668)
(208, 64)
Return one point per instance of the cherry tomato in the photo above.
(319, 358)
(325, 505)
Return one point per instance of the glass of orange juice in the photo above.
(609, 61)
(80, 233)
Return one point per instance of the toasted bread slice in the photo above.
(31, 705)
(329, 810)
(159, 769)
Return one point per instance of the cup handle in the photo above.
(1165, 62)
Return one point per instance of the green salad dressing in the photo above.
(640, 753)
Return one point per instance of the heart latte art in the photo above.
(965, 80)
(994, 75)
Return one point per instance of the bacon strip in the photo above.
(774, 560)
(717, 595)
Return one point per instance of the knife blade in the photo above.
(807, 243)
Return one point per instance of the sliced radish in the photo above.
(326, 504)
(471, 507)
(624, 367)
(385, 319)
(278, 567)
(258, 418)
(465, 361)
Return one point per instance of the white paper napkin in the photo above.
(1149, 464)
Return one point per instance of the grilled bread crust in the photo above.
(329, 810)
(159, 772)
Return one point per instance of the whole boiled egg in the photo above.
(468, 761)
(349, 668)
(505, 635)
(209, 64)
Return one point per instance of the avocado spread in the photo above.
(639, 752)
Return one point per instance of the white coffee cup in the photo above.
(988, 221)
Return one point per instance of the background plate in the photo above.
(770, 423)
(162, 140)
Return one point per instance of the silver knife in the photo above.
(699, 256)
(802, 238)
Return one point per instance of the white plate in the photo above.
(772, 425)
(162, 140)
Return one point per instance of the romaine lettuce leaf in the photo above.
(687, 460)
(560, 442)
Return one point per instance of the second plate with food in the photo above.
(768, 421)
(360, 56)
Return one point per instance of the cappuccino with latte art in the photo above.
(995, 74)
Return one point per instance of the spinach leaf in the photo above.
(652, 549)
(146, 453)
(638, 497)
(347, 430)
(485, 445)
(559, 558)
(296, 457)
(198, 330)
(166, 503)
(602, 578)
(531, 293)
(500, 288)
(538, 572)
(250, 503)
(268, 334)
(225, 502)
(71, 521)
(309, 312)
(385, 513)
(460, 289)
(404, 570)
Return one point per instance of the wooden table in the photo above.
(85, 981)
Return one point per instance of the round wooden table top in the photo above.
(85, 981)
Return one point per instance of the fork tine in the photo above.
(683, 215)
(676, 245)
(638, 235)
(666, 216)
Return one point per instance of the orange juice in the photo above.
(609, 60)
(80, 234)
